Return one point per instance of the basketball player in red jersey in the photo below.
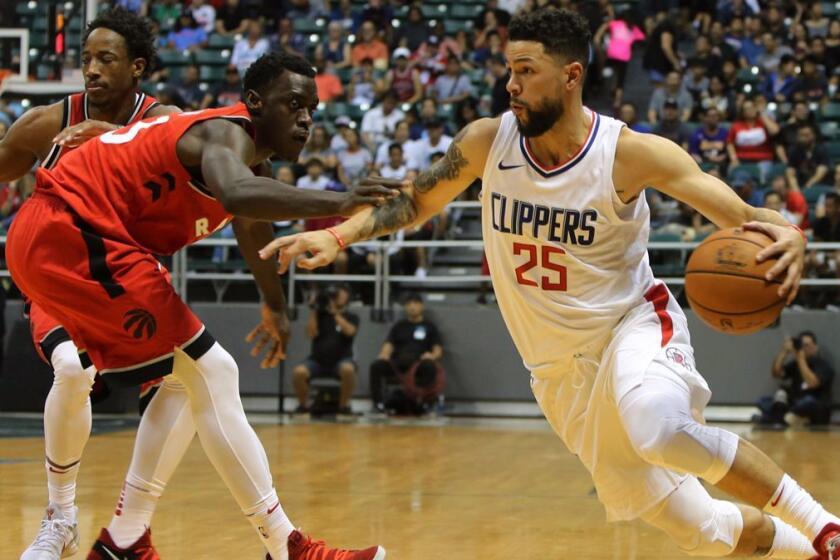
(565, 226)
(118, 47)
(96, 220)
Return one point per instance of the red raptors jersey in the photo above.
(128, 185)
(76, 111)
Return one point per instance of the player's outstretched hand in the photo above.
(789, 249)
(76, 135)
(272, 333)
(321, 246)
(366, 194)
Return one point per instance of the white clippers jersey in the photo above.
(568, 259)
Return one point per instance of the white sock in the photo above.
(61, 485)
(163, 437)
(134, 511)
(789, 544)
(272, 525)
(793, 505)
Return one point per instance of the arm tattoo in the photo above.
(447, 168)
(397, 213)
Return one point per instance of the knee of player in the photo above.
(73, 375)
(347, 369)
(672, 439)
(718, 535)
(301, 372)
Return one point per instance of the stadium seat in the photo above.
(452, 26)
(212, 57)
(40, 24)
(830, 129)
(465, 11)
(833, 149)
(434, 11)
(831, 111)
(170, 57)
(28, 8)
(749, 76)
(308, 25)
(211, 73)
(344, 74)
(776, 169)
(813, 193)
(753, 169)
(829, 9)
(220, 42)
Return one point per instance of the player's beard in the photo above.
(540, 117)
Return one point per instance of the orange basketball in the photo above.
(726, 287)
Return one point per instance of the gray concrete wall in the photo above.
(482, 363)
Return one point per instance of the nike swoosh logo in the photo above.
(271, 510)
(503, 167)
(775, 502)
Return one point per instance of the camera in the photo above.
(797, 343)
(324, 297)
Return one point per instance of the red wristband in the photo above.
(338, 238)
(799, 229)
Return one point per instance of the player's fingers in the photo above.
(760, 227)
(794, 288)
(770, 251)
(258, 346)
(313, 262)
(277, 244)
(376, 190)
(781, 265)
(275, 356)
(375, 181)
(253, 333)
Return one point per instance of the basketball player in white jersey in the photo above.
(565, 227)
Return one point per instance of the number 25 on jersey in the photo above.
(551, 274)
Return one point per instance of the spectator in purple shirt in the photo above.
(187, 34)
(708, 142)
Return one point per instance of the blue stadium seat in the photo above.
(750, 168)
(465, 11)
(171, 57)
(831, 111)
(212, 57)
(220, 42)
(211, 73)
(813, 193)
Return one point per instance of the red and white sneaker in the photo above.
(827, 543)
(105, 549)
(302, 547)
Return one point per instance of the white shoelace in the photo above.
(52, 536)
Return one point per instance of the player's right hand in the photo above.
(76, 135)
(321, 246)
(373, 194)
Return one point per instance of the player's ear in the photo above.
(254, 102)
(574, 73)
(139, 69)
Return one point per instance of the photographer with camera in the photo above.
(804, 394)
(332, 329)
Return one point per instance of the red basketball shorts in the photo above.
(113, 299)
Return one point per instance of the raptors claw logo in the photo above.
(140, 323)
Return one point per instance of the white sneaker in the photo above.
(420, 272)
(58, 537)
(795, 421)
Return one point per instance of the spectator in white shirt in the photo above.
(401, 137)
(396, 167)
(338, 142)
(353, 162)
(379, 123)
(248, 49)
(314, 179)
(434, 142)
(204, 14)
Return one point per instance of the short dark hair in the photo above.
(395, 146)
(808, 334)
(768, 194)
(271, 66)
(561, 32)
(136, 30)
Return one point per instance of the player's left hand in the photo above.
(273, 332)
(789, 248)
(76, 135)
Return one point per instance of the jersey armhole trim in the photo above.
(55, 151)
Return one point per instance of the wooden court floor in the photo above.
(497, 490)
